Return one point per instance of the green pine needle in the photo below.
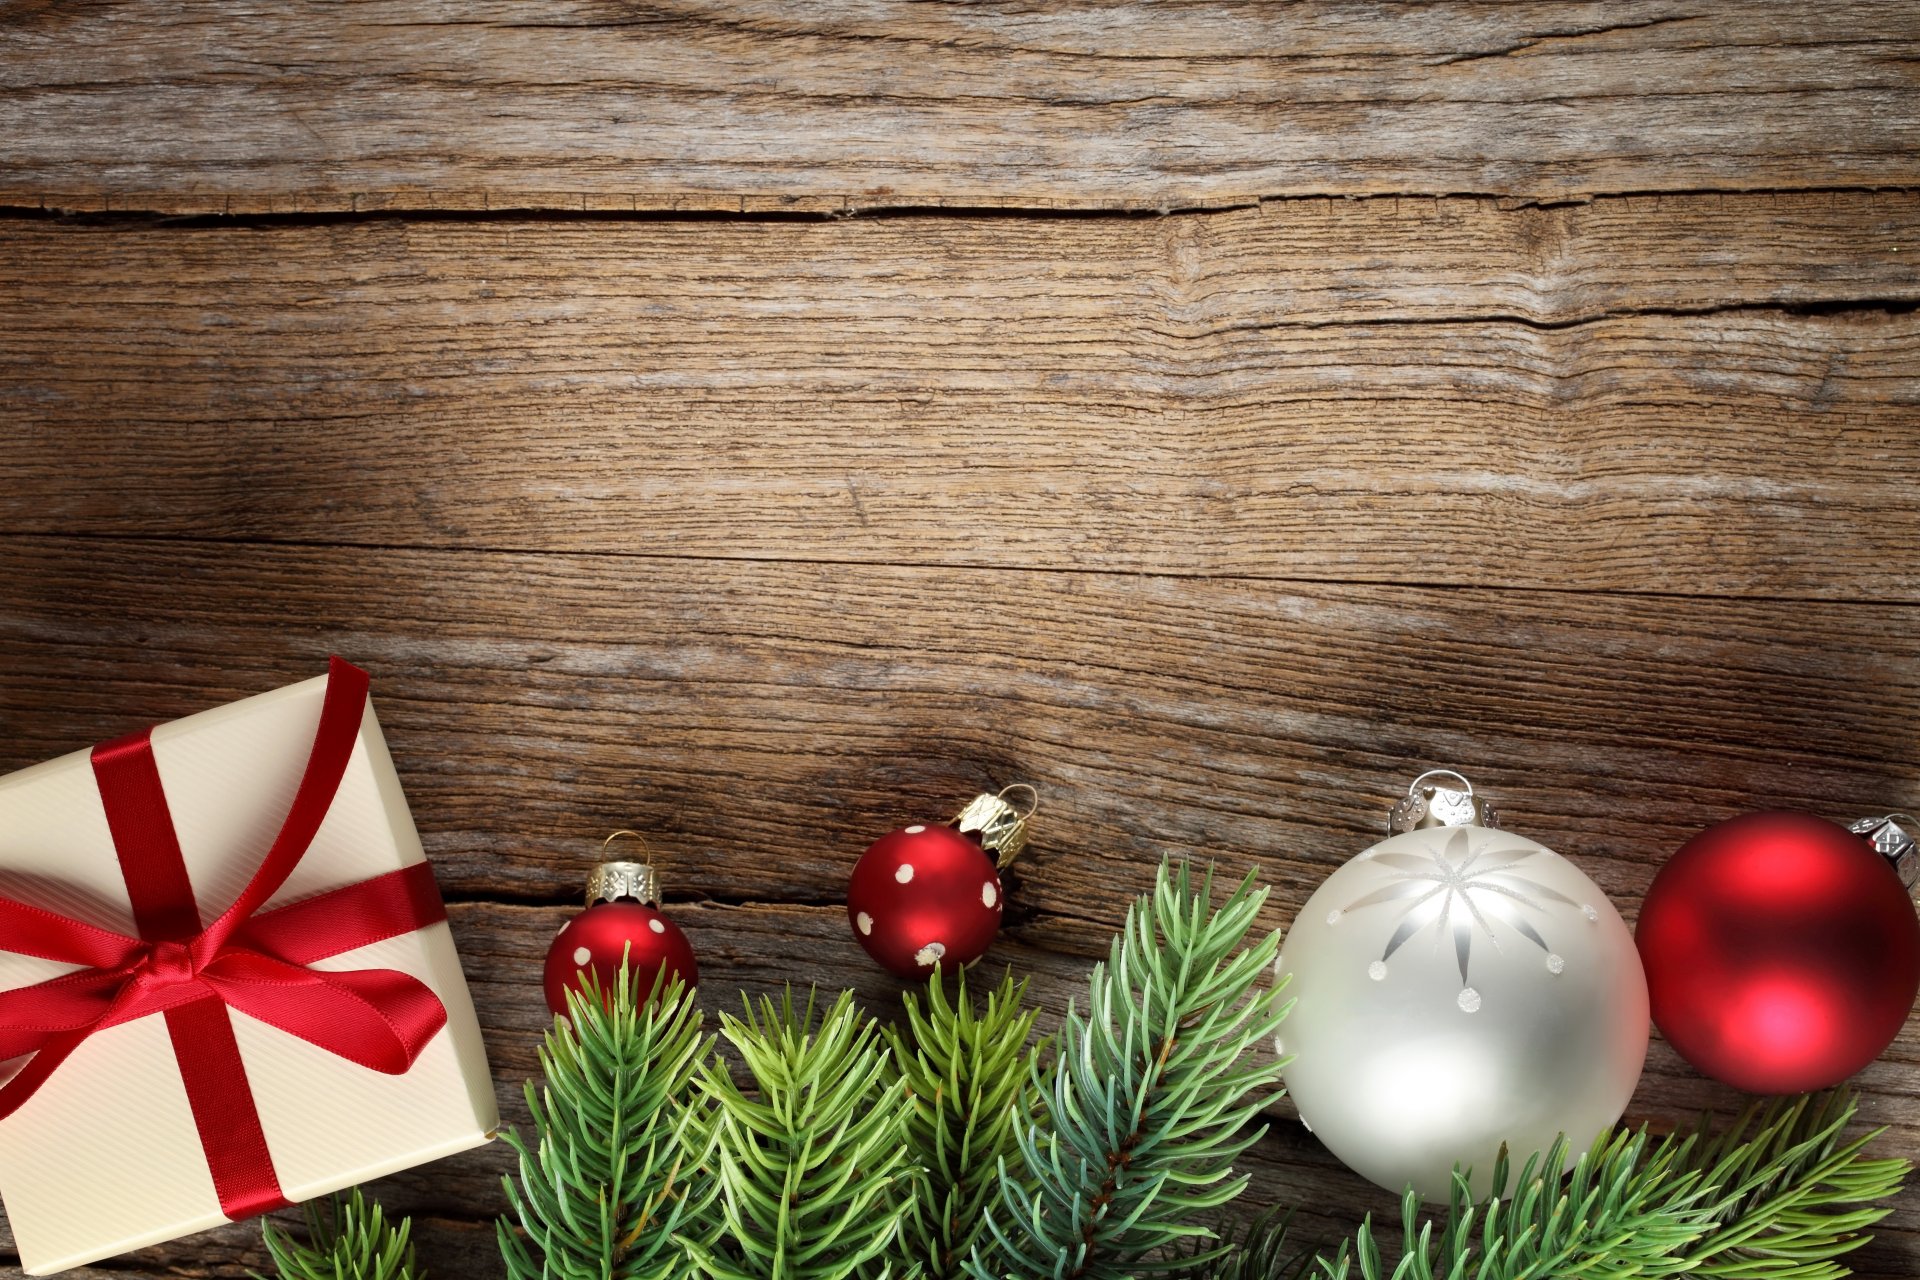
(817, 1169)
(1792, 1197)
(970, 1076)
(1148, 1098)
(617, 1184)
(348, 1239)
(1779, 1195)
(1264, 1250)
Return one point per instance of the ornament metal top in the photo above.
(612, 881)
(1457, 987)
(1893, 842)
(1432, 805)
(1001, 826)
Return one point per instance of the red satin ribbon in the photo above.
(192, 975)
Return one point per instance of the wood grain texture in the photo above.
(765, 720)
(216, 106)
(768, 533)
(1690, 394)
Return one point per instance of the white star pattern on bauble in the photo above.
(1458, 887)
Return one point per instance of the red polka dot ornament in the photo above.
(929, 896)
(622, 921)
(1782, 950)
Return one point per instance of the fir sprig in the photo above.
(816, 1169)
(1148, 1098)
(615, 1186)
(347, 1239)
(1795, 1195)
(970, 1076)
(1262, 1250)
(1779, 1195)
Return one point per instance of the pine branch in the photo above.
(1264, 1250)
(970, 1076)
(618, 1183)
(816, 1170)
(348, 1239)
(1148, 1099)
(1779, 1196)
(1798, 1194)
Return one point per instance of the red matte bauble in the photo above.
(924, 897)
(600, 936)
(1782, 952)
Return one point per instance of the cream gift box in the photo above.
(106, 1156)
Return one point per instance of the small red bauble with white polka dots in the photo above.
(929, 896)
(622, 921)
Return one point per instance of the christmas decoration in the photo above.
(815, 1170)
(1457, 988)
(970, 1075)
(1782, 951)
(622, 925)
(647, 1169)
(620, 1136)
(926, 896)
(1149, 1095)
(259, 860)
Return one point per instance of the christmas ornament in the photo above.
(622, 920)
(1782, 950)
(1456, 988)
(926, 896)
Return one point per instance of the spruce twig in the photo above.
(1780, 1195)
(1796, 1195)
(1264, 1250)
(618, 1183)
(816, 1169)
(1148, 1098)
(347, 1239)
(970, 1076)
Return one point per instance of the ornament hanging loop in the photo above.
(1893, 841)
(1001, 825)
(1430, 803)
(614, 880)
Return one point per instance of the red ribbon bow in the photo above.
(256, 963)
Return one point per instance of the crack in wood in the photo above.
(1546, 37)
(697, 207)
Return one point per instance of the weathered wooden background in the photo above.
(764, 424)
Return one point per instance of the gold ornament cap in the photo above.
(1002, 826)
(1430, 803)
(612, 881)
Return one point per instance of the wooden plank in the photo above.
(1689, 395)
(742, 949)
(569, 104)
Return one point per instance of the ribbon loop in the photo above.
(246, 960)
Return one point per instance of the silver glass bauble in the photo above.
(1456, 988)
